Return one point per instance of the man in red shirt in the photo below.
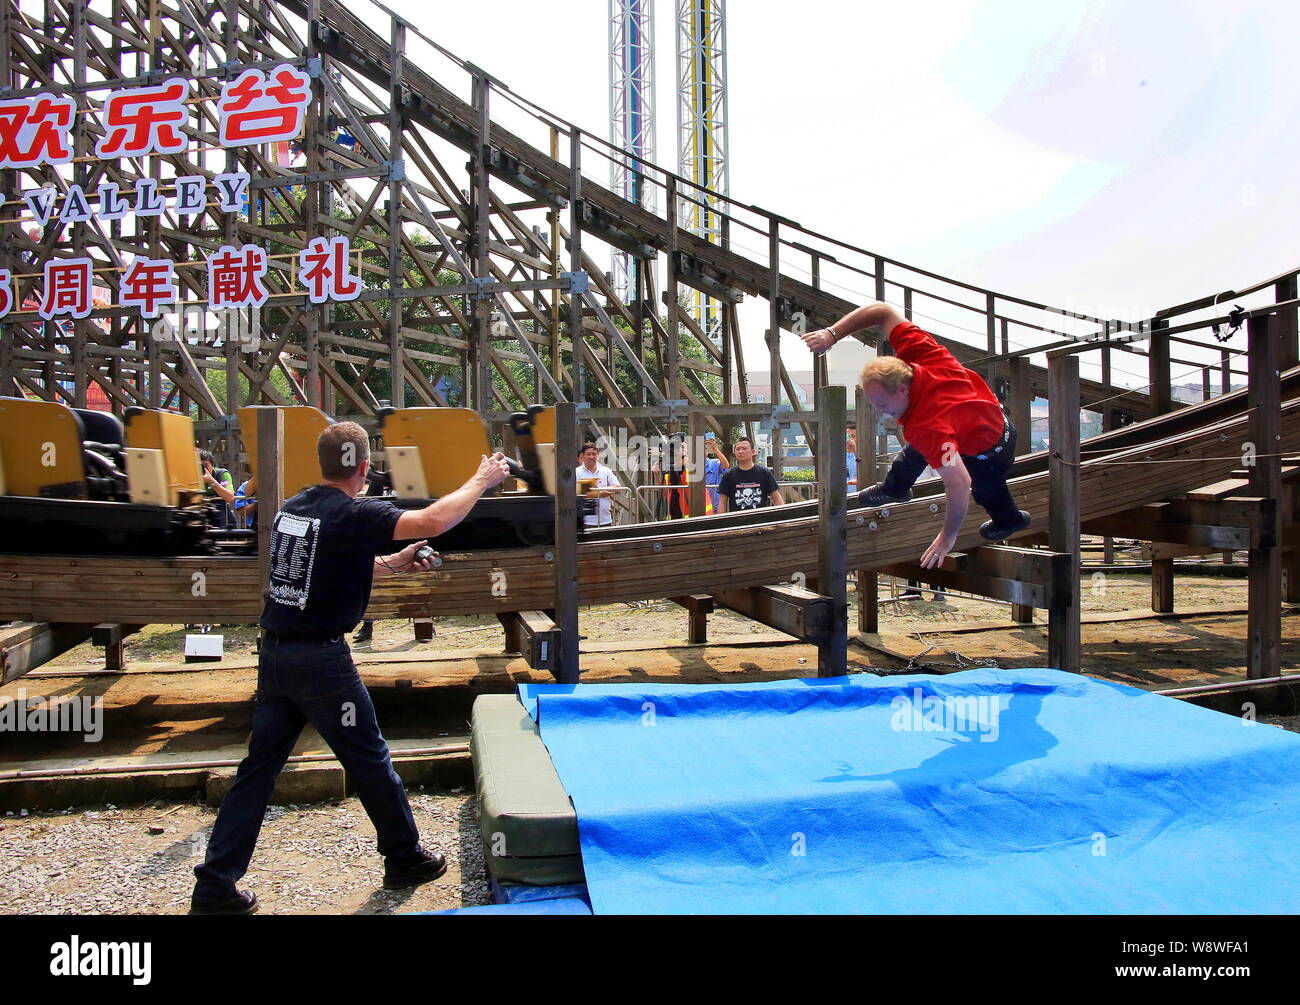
(951, 420)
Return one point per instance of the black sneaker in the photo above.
(876, 495)
(239, 902)
(428, 867)
(364, 635)
(991, 533)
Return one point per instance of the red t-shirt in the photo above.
(948, 404)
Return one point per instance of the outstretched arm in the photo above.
(440, 516)
(880, 314)
(956, 487)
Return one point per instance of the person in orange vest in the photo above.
(679, 500)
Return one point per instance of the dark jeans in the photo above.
(298, 683)
(988, 477)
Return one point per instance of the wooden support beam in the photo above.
(832, 539)
(535, 636)
(1204, 535)
(1162, 585)
(1064, 638)
(699, 606)
(270, 487)
(26, 645)
(1162, 399)
(868, 601)
(565, 549)
(113, 638)
(996, 587)
(801, 613)
(1264, 622)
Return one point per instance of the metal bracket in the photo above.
(678, 409)
(396, 169)
(579, 282)
(313, 67)
(481, 284)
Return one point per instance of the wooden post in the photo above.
(1264, 620)
(1020, 397)
(868, 580)
(1022, 614)
(671, 362)
(565, 549)
(1162, 585)
(1288, 335)
(832, 554)
(868, 601)
(774, 315)
(1064, 641)
(695, 436)
(270, 485)
(576, 213)
(396, 353)
(1158, 367)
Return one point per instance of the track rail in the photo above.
(698, 556)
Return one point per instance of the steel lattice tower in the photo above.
(702, 127)
(631, 115)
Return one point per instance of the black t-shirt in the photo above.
(750, 489)
(323, 550)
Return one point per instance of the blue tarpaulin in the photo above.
(1017, 791)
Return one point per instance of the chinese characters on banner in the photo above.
(235, 279)
(256, 107)
(253, 108)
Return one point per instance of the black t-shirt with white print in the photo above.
(750, 489)
(323, 550)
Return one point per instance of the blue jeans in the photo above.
(988, 477)
(298, 683)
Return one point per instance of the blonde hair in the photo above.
(888, 371)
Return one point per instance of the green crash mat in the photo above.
(527, 823)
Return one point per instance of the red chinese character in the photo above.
(148, 283)
(323, 269)
(258, 109)
(235, 277)
(67, 288)
(34, 131)
(6, 292)
(144, 120)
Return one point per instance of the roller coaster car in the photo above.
(433, 451)
(77, 482)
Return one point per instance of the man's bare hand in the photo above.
(493, 470)
(405, 560)
(819, 341)
(938, 550)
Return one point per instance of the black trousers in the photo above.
(988, 477)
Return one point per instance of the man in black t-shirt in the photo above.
(746, 485)
(326, 547)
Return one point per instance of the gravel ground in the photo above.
(309, 860)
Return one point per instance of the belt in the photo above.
(1006, 438)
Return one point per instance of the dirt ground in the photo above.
(317, 859)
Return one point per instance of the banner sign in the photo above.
(254, 108)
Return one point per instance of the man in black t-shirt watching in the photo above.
(747, 485)
(326, 546)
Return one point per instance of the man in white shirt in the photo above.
(606, 485)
